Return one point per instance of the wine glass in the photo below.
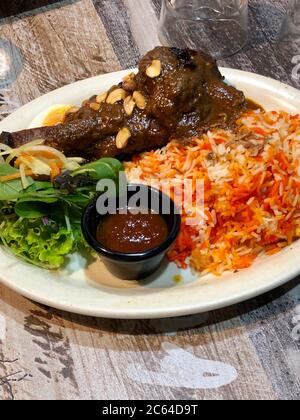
(291, 23)
(219, 27)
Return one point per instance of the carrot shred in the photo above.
(273, 251)
(260, 131)
(55, 170)
(15, 176)
(251, 190)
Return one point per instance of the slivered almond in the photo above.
(122, 138)
(116, 96)
(73, 110)
(139, 99)
(129, 105)
(154, 70)
(129, 82)
(95, 106)
(101, 98)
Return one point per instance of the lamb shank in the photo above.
(175, 94)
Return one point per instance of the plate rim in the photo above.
(131, 314)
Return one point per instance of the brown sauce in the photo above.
(132, 233)
(253, 106)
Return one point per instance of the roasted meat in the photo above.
(175, 94)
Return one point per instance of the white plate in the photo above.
(93, 291)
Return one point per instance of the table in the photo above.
(48, 354)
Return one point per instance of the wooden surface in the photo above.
(47, 354)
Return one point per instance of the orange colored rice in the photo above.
(252, 190)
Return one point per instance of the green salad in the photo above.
(41, 221)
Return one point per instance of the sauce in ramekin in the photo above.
(132, 233)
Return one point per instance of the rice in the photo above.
(252, 190)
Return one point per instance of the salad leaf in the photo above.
(40, 186)
(10, 190)
(42, 223)
(33, 208)
(80, 199)
(101, 169)
(6, 169)
(115, 164)
(35, 243)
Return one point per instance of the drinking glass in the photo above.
(219, 27)
(291, 23)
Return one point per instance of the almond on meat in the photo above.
(129, 105)
(73, 110)
(129, 82)
(116, 96)
(123, 137)
(101, 98)
(154, 70)
(139, 99)
(95, 106)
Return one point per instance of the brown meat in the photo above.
(187, 98)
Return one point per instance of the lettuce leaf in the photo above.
(34, 208)
(42, 223)
(34, 242)
(101, 169)
(11, 190)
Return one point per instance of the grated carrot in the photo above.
(15, 176)
(251, 190)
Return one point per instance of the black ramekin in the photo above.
(139, 265)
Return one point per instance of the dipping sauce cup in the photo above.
(127, 261)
